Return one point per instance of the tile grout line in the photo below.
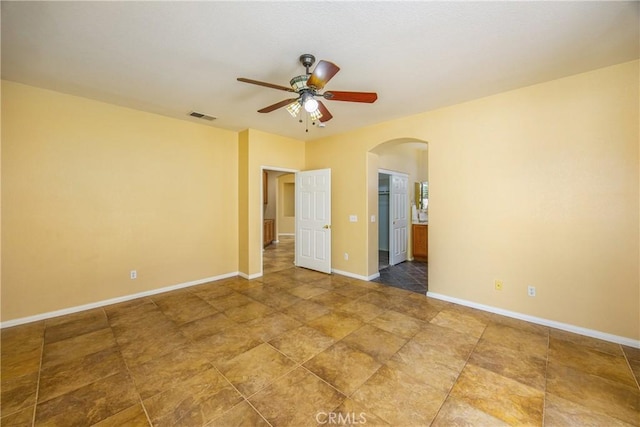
(466, 362)
(35, 404)
(126, 365)
(245, 399)
(301, 365)
(546, 372)
(633, 374)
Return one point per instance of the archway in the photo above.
(406, 157)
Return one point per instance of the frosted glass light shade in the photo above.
(294, 108)
(310, 105)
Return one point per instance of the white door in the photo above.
(313, 220)
(398, 201)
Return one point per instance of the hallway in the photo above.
(408, 275)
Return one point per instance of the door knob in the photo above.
(327, 226)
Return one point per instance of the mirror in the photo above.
(422, 195)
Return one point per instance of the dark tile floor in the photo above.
(408, 275)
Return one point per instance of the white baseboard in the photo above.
(540, 321)
(249, 276)
(110, 301)
(355, 276)
(286, 234)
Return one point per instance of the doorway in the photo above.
(410, 156)
(278, 219)
(393, 222)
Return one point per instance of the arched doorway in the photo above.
(402, 157)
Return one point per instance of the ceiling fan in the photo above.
(308, 86)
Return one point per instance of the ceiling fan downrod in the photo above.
(307, 60)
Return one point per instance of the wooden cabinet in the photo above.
(268, 232)
(420, 237)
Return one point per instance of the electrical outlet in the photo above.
(133, 275)
(531, 291)
(498, 285)
(353, 218)
(346, 256)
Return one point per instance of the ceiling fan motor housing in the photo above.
(307, 60)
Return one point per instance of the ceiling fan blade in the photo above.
(323, 72)
(259, 83)
(277, 105)
(368, 97)
(326, 115)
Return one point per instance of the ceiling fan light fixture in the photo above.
(294, 108)
(299, 83)
(315, 115)
(311, 105)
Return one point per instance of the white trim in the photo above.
(277, 169)
(390, 172)
(355, 276)
(110, 301)
(286, 234)
(541, 321)
(249, 276)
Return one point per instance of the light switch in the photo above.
(373, 218)
(353, 218)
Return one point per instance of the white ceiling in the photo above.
(174, 57)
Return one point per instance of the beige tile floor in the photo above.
(278, 256)
(297, 347)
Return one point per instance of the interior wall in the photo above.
(286, 222)
(267, 151)
(243, 201)
(270, 210)
(537, 186)
(423, 166)
(92, 191)
(346, 158)
(372, 243)
(404, 158)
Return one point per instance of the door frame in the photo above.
(261, 201)
(389, 225)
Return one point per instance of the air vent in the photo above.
(201, 116)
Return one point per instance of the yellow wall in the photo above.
(372, 235)
(537, 186)
(540, 187)
(243, 201)
(346, 159)
(92, 191)
(266, 151)
(286, 223)
(404, 158)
